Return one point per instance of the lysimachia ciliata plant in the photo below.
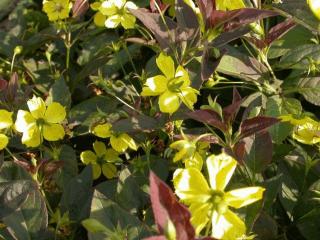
(159, 120)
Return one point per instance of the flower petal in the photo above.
(129, 141)
(244, 196)
(128, 21)
(5, 119)
(55, 113)
(96, 170)
(53, 132)
(220, 169)
(200, 215)
(191, 186)
(99, 19)
(118, 144)
(24, 119)
(4, 140)
(130, 5)
(188, 96)
(195, 161)
(154, 86)
(109, 170)
(102, 130)
(31, 137)
(88, 157)
(111, 156)
(108, 8)
(227, 226)
(113, 21)
(169, 102)
(99, 148)
(37, 107)
(166, 65)
(182, 74)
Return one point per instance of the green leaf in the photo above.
(13, 194)
(59, 92)
(30, 220)
(276, 107)
(94, 226)
(300, 57)
(310, 89)
(295, 38)
(239, 65)
(77, 195)
(300, 12)
(69, 170)
(121, 223)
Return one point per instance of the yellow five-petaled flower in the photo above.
(41, 122)
(5, 123)
(210, 204)
(112, 13)
(119, 141)
(190, 152)
(102, 160)
(306, 129)
(57, 9)
(172, 87)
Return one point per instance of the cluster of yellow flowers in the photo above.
(40, 122)
(112, 13)
(103, 159)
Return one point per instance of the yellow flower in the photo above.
(5, 123)
(102, 160)
(41, 122)
(119, 141)
(306, 130)
(56, 9)
(210, 204)
(315, 7)
(172, 87)
(229, 4)
(112, 13)
(190, 152)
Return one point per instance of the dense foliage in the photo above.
(160, 119)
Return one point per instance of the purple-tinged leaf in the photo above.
(279, 30)
(80, 7)
(226, 37)
(209, 117)
(255, 125)
(206, 139)
(13, 87)
(166, 207)
(156, 238)
(230, 112)
(163, 32)
(238, 18)
(3, 84)
(258, 149)
(237, 152)
(209, 63)
(186, 18)
(153, 7)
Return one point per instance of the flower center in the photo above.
(175, 84)
(219, 204)
(59, 7)
(100, 160)
(41, 122)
